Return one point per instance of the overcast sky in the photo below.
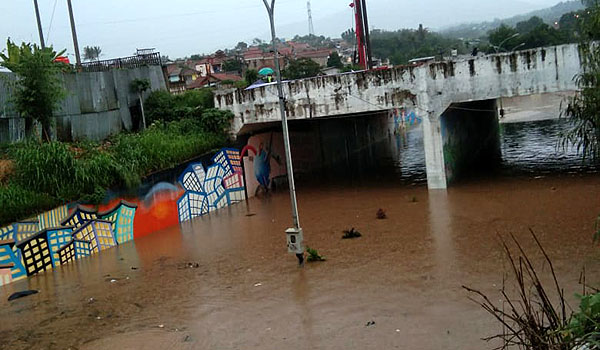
(183, 27)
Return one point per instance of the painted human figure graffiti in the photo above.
(262, 165)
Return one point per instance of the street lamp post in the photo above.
(294, 234)
(505, 40)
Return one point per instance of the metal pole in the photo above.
(284, 123)
(39, 23)
(74, 32)
(367, 35)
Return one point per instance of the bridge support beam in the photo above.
(434, 151)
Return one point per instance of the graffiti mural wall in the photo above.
(74, 231)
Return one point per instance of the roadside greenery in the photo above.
(536, 316)
(583, 109)
(164, 106)
(301, 68)
(38, 89)
(48, 174)
(403, 45)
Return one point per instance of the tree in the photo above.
(233, 65)
(92, 53)
(139, 86)
(349, 36)
(302, 68)
(583, 109)
(504, 38)
(251, 76)
(527, 26)
(334, 60)
(38, 89)
(241, 46)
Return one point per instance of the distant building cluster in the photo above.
(56, 238)
(212, 70)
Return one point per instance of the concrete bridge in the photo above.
(456, 100)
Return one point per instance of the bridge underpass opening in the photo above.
(471, 138)
(527, 141)
(366, 147)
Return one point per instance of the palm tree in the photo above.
(91, 53)
(139, 86)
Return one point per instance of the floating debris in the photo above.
(370, 323)
(22, 294)
(381, 214)
(352, 233)
(257, 284)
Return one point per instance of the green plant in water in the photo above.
(584, 325)
(313, 255)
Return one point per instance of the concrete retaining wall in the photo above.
(97, 104)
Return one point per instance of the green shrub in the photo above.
(19, 203)
(55, 172)
(163, 106)
(584, 325)
(216, 121)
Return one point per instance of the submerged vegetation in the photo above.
(537, 316)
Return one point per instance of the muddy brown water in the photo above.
(405, 273)
(244, 291)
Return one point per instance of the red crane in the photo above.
(363, 42)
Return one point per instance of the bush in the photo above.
(55, 172)
(216, 120)
(163, 106)
(18, 203)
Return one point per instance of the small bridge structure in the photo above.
(456, 99)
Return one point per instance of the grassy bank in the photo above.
(45, 175)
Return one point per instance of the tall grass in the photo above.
(55, 172)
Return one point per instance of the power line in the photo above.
(51, 20)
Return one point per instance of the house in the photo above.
(53, 218)
(57, 239)
(75, 250)
(79, 217)
(36, 254)
(215, 79)
(8, 256)
(24, 229)
(321, 56)
(99, 233)
(191, 205)
(6, 273)
(121, 217)
(180, 75)
(255, 58)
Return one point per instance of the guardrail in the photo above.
(152, 59)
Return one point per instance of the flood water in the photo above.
(404, 274)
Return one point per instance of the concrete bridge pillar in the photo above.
(434, 151)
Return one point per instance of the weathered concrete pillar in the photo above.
(434, 151)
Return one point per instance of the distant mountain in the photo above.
(398, 14)
(476, 30)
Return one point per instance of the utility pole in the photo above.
(39, 23)
(74, 32)
(367, 36)
(294, 235)
(311, 27)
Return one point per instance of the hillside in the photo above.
(477, 30)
